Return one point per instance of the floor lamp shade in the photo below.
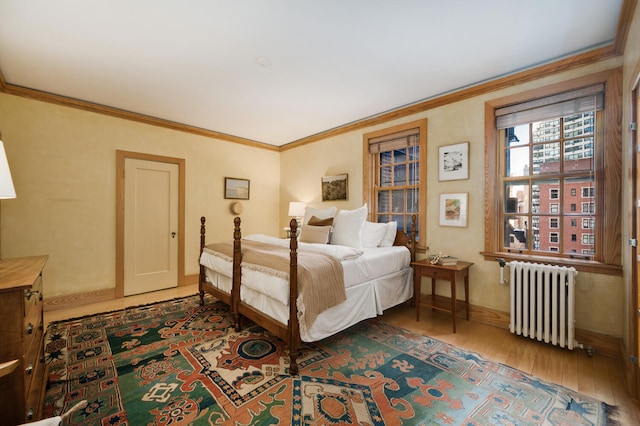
(6, 183)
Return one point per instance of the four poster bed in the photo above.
(307, 291)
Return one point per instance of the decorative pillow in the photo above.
(314, 221)
(347, 227)
(390, 235)
(309, 212)
(315, 234)
(373, 233)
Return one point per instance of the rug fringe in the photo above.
(612, 415)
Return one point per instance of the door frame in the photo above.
(121, 157)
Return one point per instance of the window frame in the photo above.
(369, 175)
(608, 231)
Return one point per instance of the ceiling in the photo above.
(276, 71)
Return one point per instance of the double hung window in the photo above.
(553, 192)
(395, 176)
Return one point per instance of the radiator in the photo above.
(543, 302)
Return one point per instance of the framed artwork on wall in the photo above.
(453, 162)
(335, 187)
(236, 189)
(454, 209)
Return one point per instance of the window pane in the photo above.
(545, 131)
(578, 125)
(518, 135)
(384, 202)
(541, 198)
(397, 203)
(515, 232)
(386, 176)
(578, 154)
(385, 157)
(414, 153)
(400, 172)
(546, 238)
(516, 197)
(581, 189)
(517, 161)
(414, 174)
(400, 155)
(546, 158)
(412, 200)
(572, 237)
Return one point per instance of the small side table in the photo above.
(451, 273)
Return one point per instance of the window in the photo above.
(394, 181)
(553, 222)
(542, 148)
(588, 192)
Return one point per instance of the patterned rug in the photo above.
(176, 363)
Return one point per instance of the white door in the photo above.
(150, 226)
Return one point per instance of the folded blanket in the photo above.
(320, 276)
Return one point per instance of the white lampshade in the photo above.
(6, 183)
(296, 208)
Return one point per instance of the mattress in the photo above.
(375, 279)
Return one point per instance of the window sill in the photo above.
(581, 265)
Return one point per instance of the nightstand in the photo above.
(450, 273)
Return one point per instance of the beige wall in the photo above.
(63, 166)
(600, 298)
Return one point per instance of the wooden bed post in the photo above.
(202, 277)
(237, 273)
(294, 328)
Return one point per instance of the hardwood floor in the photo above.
(599, 376)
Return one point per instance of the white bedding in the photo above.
(375, 279)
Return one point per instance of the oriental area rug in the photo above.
(177, 363)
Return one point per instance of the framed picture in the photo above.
(453, 209)
(453, 161)
(335, 188)
(236, 189)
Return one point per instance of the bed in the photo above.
(272, 281)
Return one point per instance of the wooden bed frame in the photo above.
(288, 332)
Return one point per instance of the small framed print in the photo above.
(236, 189)
(453, 209)
(335, 188)
(453, 162)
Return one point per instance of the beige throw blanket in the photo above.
(320, 276)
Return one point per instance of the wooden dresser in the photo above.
(22, 364)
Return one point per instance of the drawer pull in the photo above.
(29, 369)
(30, 293)
(29, 328)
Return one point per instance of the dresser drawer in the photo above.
(34, 356)
(33, 297)
(36, 387)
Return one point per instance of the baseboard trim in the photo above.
(96, 296)
(78, 299)
(601, 343)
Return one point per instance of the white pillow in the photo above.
(347, 227)
(315, 234)
(390, 235)
(319, 213)
(373, 233)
